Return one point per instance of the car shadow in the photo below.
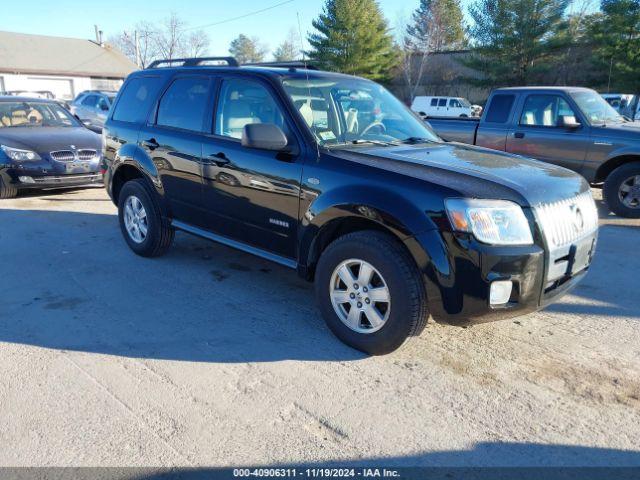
(486, 460)
(70, 282)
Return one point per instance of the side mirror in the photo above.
(264, 136)
(568, 121)
(94, 128)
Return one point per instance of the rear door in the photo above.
(251, 195)
(538, 132)
(173, 140)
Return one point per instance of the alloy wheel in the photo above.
(135, 219)
(360, 296)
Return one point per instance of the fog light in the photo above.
(500, 292)
(26, 180)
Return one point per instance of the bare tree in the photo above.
(146, 48)
(196, 44)
(289, 49)
(169, 37)
(413, 61)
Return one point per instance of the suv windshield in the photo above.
(34, 114)
(595, 108)
(341, 111)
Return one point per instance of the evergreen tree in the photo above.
(511, 39)
(437, 25)
(247, 50)
(615, 34)
(353, 37)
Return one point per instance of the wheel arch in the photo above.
(131, 162)
(325, 223)
(610, 165)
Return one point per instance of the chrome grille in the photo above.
(566, 221)
(86, 154)
(63, 155)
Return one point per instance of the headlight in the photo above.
(19, 155)
(496, 222)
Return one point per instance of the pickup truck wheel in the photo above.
(370, 292)
(622, 190)
(145, 229)
(6, 190)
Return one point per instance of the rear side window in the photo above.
(434, 102)
(137, 97)
(184, 104)
(500, 108)
(90, 101)
(442, 102)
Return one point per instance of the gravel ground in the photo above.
(209, 356)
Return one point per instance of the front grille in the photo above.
(63, 155)
(70, 156)
(566, 221)
(86, 154)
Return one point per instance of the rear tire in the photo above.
(621, 190)
(145, 229)
(404, 315)
(7, 190)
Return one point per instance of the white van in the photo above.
(442, 107)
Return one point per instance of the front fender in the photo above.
(373, 204)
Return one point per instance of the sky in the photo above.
(69, 18)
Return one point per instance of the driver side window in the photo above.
(545, 111)
(244, 102)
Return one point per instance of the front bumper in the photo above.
(45, 174)
(458, 272)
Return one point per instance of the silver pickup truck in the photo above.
(568, 126)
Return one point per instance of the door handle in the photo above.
(519, 134)
(151, 144)
(219, 159)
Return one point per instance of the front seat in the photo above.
(236, 114)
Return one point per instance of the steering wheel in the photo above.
(375, 123)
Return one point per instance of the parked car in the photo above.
(391, 223)
(92, 106)
(442, 107)
(568, 126)
(43, 146)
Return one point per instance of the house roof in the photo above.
(44, 55)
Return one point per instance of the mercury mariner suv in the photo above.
(331, 175)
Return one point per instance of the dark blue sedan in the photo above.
(43, 146)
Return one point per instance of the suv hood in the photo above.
(48, 139)
(474, 172)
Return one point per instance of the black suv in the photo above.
(331, 175)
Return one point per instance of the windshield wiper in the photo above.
(414, 140)
(382, 143)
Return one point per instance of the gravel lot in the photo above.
(209, 356)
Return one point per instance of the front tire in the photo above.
(370, 292)
(7, 190)
(622, 190)
(144, 228)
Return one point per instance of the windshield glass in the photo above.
(465, 102)
(596, 108)
(34, 114)
(341, 111)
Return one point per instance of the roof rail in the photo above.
(292, 65)
(192, 62)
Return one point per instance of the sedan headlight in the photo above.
(496, 222)
(20, 155)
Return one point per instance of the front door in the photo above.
(250, 195)
(540, 133)
(174, 143)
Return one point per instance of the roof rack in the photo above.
(291, 65)
(192, 62)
